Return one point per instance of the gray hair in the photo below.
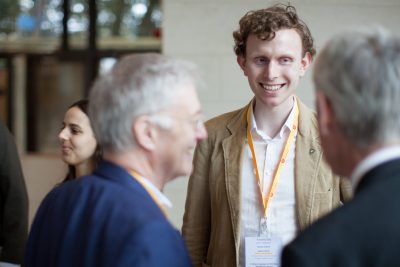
(359, 72)
(138, 84)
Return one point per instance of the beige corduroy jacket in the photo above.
(212, 213)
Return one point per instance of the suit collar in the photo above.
(372, 160)
(287, 126)
(307, 121)
(379, 174)
(114, 173)
(238, 122)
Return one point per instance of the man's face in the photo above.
(176, 144)
(274, 67)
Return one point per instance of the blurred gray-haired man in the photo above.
(357, 81)
(147, 118)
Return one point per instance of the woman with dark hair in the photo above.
(79, 148)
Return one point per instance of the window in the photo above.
(65, 44)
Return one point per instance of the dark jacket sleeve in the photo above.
(292, 258)
(13, 201)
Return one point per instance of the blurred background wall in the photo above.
(200, 31)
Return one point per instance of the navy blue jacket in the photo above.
(105, 219)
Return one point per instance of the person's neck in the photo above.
(84, 168)
(138, 162)
(271, 119)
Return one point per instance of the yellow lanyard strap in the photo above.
(156, 199)
(267, 197)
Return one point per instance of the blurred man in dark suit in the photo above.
(357, 80)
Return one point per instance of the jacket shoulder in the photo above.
(308, 124)
(221, 122)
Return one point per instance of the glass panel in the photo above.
(119, 22)
(78, 23)
(49, 15)
(9, 11)
(36, 25)
(30, 25)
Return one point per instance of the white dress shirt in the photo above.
(281, 217)
(164, 201)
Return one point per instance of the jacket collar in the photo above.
(379, 174)
(307, 159)
(116, 174)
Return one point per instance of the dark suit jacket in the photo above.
(105, 219)
(364, 232)
(13, 201)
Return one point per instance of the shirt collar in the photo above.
(371, 161)
(161, 197)
(286, 126)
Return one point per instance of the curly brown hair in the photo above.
(265, 22)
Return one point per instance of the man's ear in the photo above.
(144, 132)
(325, 115)
(241, 60)
(305, 63)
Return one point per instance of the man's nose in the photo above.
(271, 71)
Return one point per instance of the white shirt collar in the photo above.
(286, 126)
(161, 197)
(371, 161)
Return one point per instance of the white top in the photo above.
(161, 197)
(281, 218)
(371, 161)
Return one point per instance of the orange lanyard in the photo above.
(267, 197)
(151, 192)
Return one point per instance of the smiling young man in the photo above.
(260, 178)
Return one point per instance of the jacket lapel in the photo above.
(307, 157)
(232, 148)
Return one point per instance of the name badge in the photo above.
(263, 251)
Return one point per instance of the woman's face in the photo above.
(77, 140)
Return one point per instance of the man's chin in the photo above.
(186, 172)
